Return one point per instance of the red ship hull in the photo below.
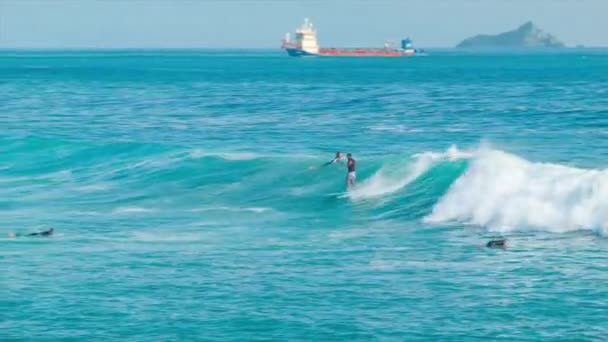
(295, 51)
(364, 52)
(306, 44)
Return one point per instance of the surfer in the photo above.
(336, 159)
(502, 243)
(351, 176)
(47, 232)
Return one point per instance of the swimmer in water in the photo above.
(502, 243)
(336, 159)
(351, 176)
(47, 232)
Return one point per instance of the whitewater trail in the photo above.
(390, 179)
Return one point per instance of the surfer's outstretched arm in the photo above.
(333, 161)
(336, 159)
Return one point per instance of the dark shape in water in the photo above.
(502, 243)
(47, 232)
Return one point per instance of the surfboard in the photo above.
(338, 195)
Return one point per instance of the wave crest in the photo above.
(504, 192)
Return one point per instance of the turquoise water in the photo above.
(181, 188)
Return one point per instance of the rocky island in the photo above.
(525, 36)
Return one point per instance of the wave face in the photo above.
(485, 187)
(395, 177)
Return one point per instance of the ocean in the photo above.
(190, 202)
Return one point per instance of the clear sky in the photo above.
(263, 23)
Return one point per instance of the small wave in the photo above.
(395, 128)
(196, 153)
(457, 129)
(348, 234)
(250, 209)
(238, 156)
(131, 210)
(180, 127)
(600, 131)
(199, 153)
(94, 187)
(62, 175)
(173, 237)
(504, 192)
(154, 163)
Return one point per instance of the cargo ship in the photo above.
(306, 44)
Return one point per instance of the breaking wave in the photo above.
(504, 192)
(497, 190)
(485, 187)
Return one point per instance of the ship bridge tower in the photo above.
(306, 37)
(407, 44)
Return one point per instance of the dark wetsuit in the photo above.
(335, 160)
(351, 176)
(44, 233)
(351, 164)
(496, 243)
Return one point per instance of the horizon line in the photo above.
(67, 48)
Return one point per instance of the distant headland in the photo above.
(525, 36)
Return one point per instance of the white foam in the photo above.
(257, 210)
(232, 209)
(196, 153)
(131, 210)
(391, 179)
(238, 156)
(503, 192)
(200, 153)
(155, 162)
(173, 237)
(94, 187)
(395, 128)
(58, 175)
